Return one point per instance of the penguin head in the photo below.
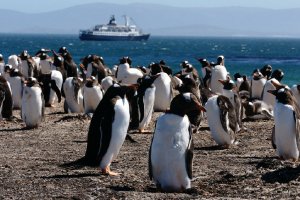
(256, 74)
(220, 60)
(228, 84)
(7, 68)
(283, 95)
(155, 68)
(125, 59)
(277, 74)
(184, 103)
(204, 62)
(91, 81)
(31, 82)
(24, 55)
(266, 71)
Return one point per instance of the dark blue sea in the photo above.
(241, 54)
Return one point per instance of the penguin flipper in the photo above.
(297, 122)
(149, 158)
(273, 139)
(56, 89)
(189, 155)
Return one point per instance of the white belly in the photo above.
(119, 131)
(92, 97)
(32, 106)
(220, 136)
(74, 105)
(285, 132)
(168, 152)
(163, 93)
(148, 99)
(16, 89)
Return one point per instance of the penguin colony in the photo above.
(123, 99)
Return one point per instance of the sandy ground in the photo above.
(34, 164)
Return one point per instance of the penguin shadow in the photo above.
(204, 128)
(210, 148)
(76, 164)
(282, 175)
(81, 117)
(122, 188)
(17, 129)
(153, 189)
(57, 113)
(63, 176)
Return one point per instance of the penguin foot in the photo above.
(107, 171)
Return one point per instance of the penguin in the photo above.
(163, 92)
(6, 103)
(28, 66)
(14, 61)
(222, 120)
(70, 66)
(96, 68)
(46, 63)
(257, 109)
(146, 97)
(51, 87)
(33, 104)
(73, 94)
(287, 125)
(257, 84)
(92, 95)
(2, 64)
(296, 92)
(206, 71)
(190, 85)
(229, 90)
(108, 128)
(171, 150)
(266, 71)
(218, 72)
(107, 82)
(16, 81)
(127, 75)
(276, 77)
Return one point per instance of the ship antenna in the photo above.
(126, 20)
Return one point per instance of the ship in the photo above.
(114, 32)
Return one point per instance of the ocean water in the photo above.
(242, 55)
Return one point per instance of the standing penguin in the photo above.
(171, 151)
(33, 104)
(108, 128)
(257, 83)
(287, 125)
(222, 120)
(6, 103)
(15, 79)
(229, 91)
(163, 92)
(92, 95)
(51, 86)
(146, 98)
(73, 94)
(218, 72)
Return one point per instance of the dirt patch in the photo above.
(35, 164)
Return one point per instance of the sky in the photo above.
(36, 6)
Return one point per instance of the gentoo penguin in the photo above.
(222, 120)
(95, 67)
(73, 94)
(108, 128)
(46, 63)
(16, 81)
(14, 61)
(6, 103)
(127, 75)
(206, 72)
(257, 84)
(171, 151)
(190, 85)
(28, 66)
(296, 92)
(70, 66)
(257, 109)
(266, 71)
(218, 72)
(92, 95)
(287, 125)
(146, 97)
(164, 67)
(107, 82)
(33, 104)
(276, 77)
(163, 92)
(51, 87)
(229, 91)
